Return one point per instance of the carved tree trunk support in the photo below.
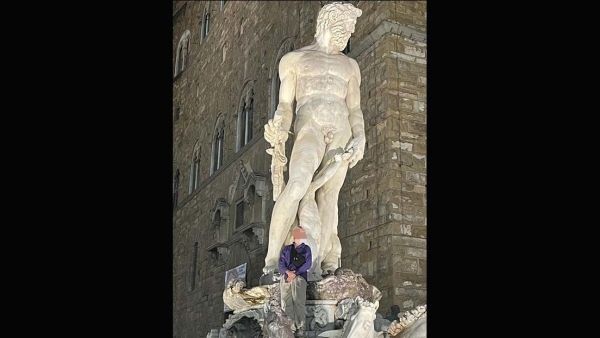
(277, 323)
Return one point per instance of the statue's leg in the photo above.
(331, 257)
(327, 200)
(309, 219)
(306, 156)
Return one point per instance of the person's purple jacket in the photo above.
(285, 262)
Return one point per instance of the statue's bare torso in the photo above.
(321, 87)
(329, 137)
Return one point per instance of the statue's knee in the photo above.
(297, 189)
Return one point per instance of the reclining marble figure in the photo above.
(238, 298)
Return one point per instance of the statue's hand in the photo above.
(357, 146)
(274, 132)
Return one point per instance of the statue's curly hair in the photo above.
(334, 12)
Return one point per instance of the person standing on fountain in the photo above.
(294, 263)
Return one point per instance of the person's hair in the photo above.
(334, 12)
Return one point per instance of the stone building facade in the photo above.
(225, 87)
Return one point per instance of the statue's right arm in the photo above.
(287, 91)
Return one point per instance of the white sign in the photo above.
(237, 272)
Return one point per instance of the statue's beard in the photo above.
(340, 36)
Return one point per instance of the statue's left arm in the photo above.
(357, 122)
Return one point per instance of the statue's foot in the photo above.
(270, 267)
(329, 269)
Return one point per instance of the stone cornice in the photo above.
(384, 27)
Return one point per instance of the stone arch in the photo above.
(195, 166)
(220, 209)
(219, 220)
(285, 46)
(245, 115)
(182, 52)
(217, 144)
(249, 194)
(205, 23)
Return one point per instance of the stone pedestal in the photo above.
(320, 316)
(342, 305)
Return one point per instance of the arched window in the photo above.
(239, 213)
(175, 189)
(218, 219)
(246, 118)
(195, 168)
(183, 51)
(217, 146)
(181, 59)
(205, 26)
(206, 23)
(176, 112)
(285, 47)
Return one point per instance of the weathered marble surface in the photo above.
(381, 324)
(348, 317)
(361, 322)
(329, 137)
(247, 324)
(277, 323)
(320, 316)
(344, 283)
(413, 324)
(239, 299)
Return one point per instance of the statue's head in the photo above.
(236, 285)
(340, 19)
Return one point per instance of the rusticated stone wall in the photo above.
(382, 206)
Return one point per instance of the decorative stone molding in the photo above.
(320, 315)
(254, 188)
(384, 27)
(344, 283)
(251, 180)
(345, 318)
(361, 323)
(182, 47)
(252, 233)
(222, 206)
(260, 235)
(219, 253)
